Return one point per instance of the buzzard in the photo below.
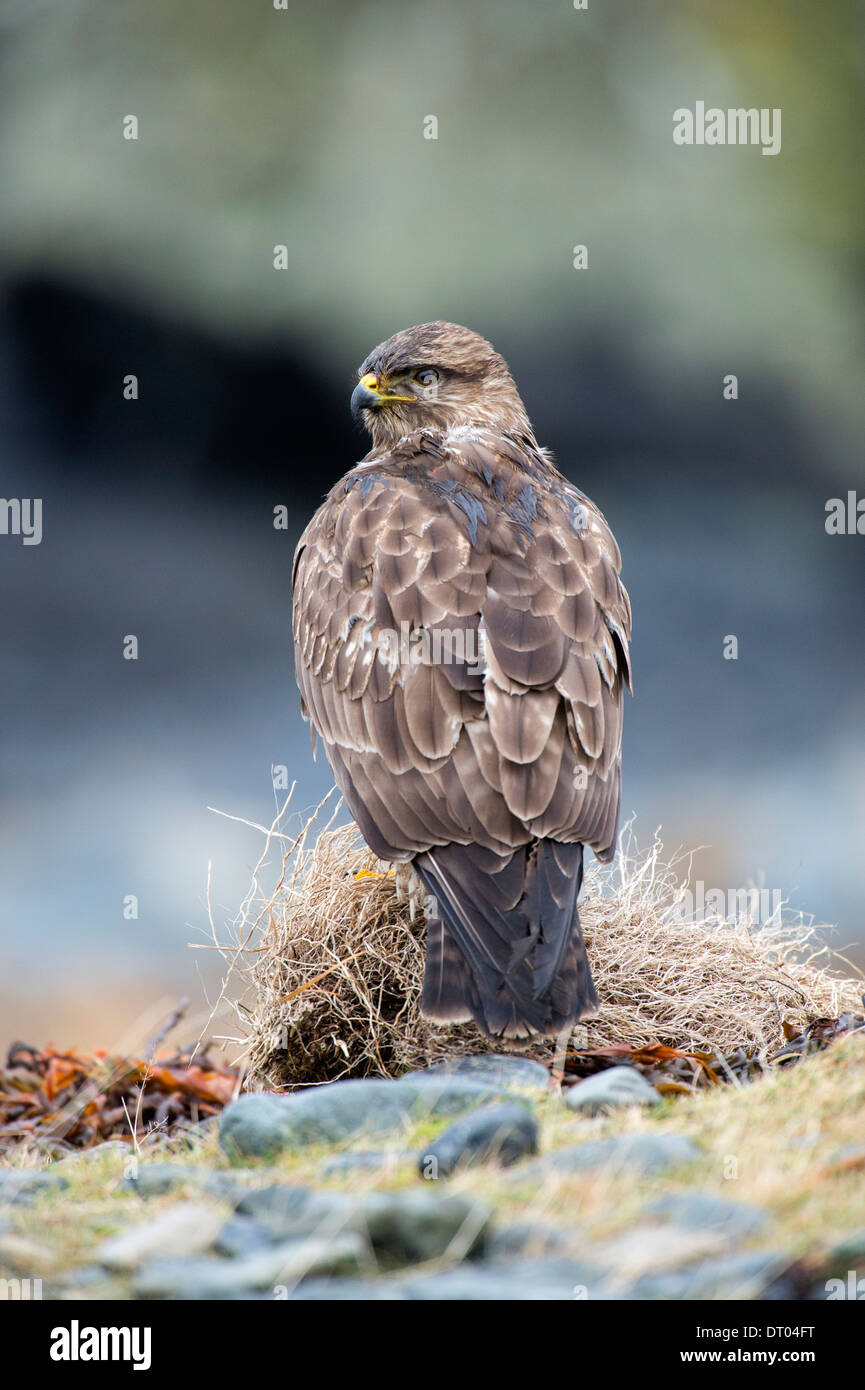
(461, 644)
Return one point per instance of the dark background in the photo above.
(155, 257)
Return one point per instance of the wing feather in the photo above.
(482, 538)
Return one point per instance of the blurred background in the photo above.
(304, 127)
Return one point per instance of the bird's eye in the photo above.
(427, 376)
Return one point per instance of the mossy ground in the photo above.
(775, 1143)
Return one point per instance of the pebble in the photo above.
(243, 1235)
(384, 1161)
(22, 1186)
(610, 1090)
(647, 1154)
(155, 1179)
(501, 1134)
(110, 1148)
(412, 1225)
(526, 1239)
(743, 1276)
(262, 1124)
(290, 1212)
(499, 1070)
(543, 1280)
(647, 1248)
(524, 1281)
(850, 1249)
(696, 1210)
(186, 1228)
(405, 1225)
(271, 1268)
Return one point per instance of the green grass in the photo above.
(770, 1143)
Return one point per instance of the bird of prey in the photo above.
(461, 643)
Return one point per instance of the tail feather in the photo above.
(505, 947)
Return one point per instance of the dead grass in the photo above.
(325, 970)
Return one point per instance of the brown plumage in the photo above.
(461, 643)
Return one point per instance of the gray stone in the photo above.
(232, 1184)
(22, 1186)
(186, 1228)
(366, 1161)
(291, 1212)
(405, 1225)
(496, 1069)
(610, 1090)
(746, 1276)
(257, 1125)
(84, 1277)
(242, 1235)
(648, 1249)
(263, 1124)
(110, 1148)
(543, 1280)
(850, 1250)
(347, 1291)
(642, 1153)
(501, 1134)
(553, 1280)
(438, 1094)
(262, 1269)
(155, 1179)
(413, 1225)
(705, 1211)
(526, 1239)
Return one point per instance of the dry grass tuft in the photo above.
(330, 965)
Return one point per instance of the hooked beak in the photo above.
(369, 394)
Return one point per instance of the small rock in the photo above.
(263, 1124)
(501, 1134)
(610, 1090)
(545, 1280)
(438, 1094)
(242, 1235)
(366, 1161)
(705, 1211)
(263, 1269)
(291, 1212)
(416, 1225)
(347, 1291)
(406, 1225)
(110, 1148)
(644, 1153)
(155, 1179)
(88, 1277)
(233, 1184)
(745, 1276)
(497, 1069)
(22, 1186)
(184, 1229)
(257, 1125)
(527, 1239)
(851, 1249)
(646, 1248)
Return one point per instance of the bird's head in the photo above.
(435, 376)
